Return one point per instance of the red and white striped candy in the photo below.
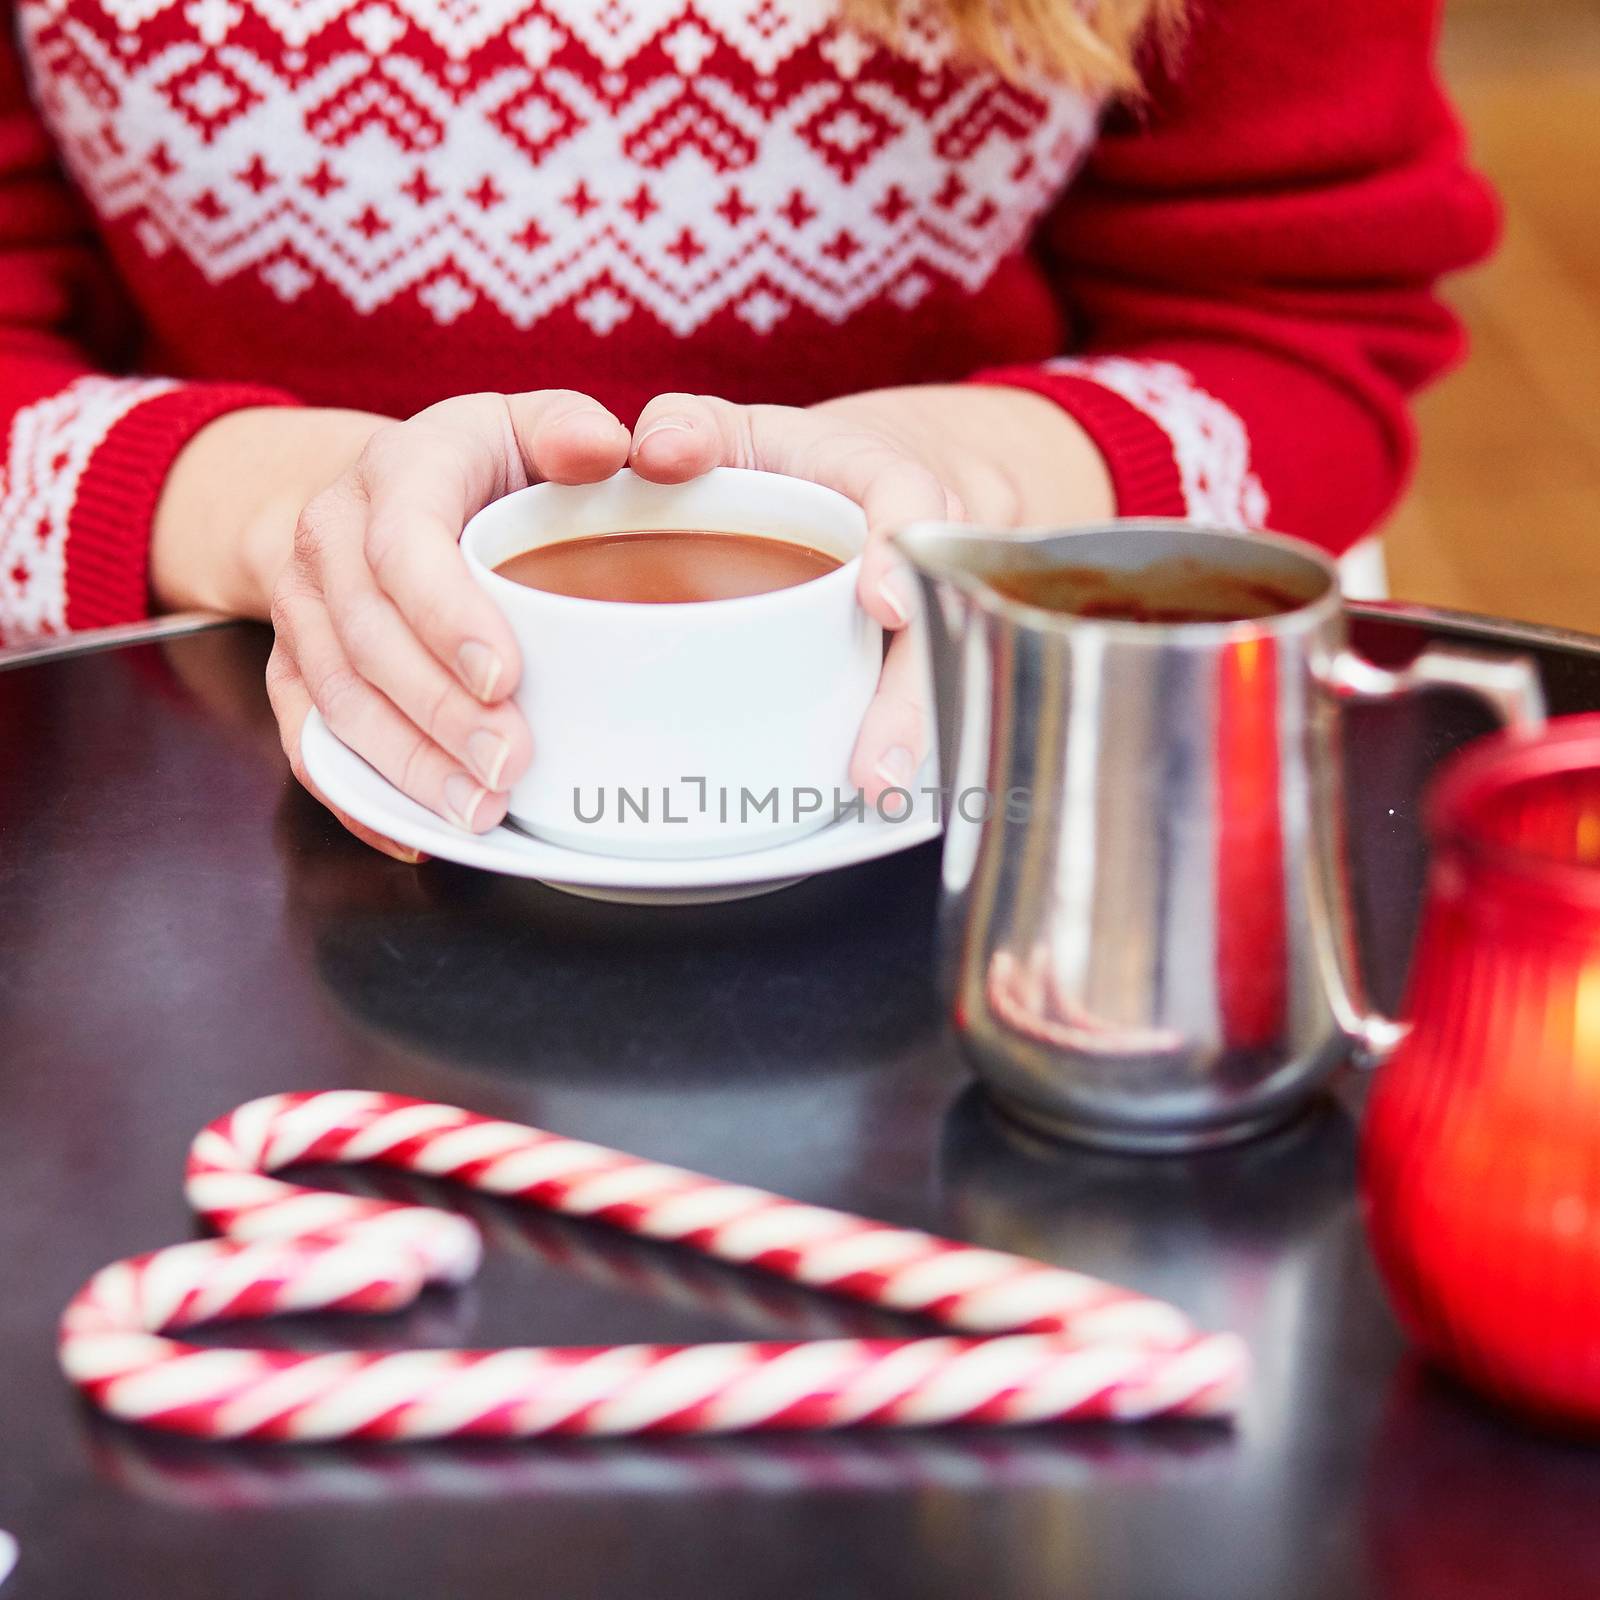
(1051, 1344)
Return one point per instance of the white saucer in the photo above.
(354, 787)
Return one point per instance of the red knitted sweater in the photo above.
(377, 203)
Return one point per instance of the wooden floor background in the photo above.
(1505, 513)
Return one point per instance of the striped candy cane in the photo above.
(1029, 1342)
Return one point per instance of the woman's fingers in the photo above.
(679, 436)
(490, 741)
(423, 479)
(896, 732)
(290, 703)
(565, 437)
(896, 492)
(403, 512)
(891, 487)
(366, 720)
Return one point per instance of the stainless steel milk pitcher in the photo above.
(1147, 936)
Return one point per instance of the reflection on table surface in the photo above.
(1464, 1505)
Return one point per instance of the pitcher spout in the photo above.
(956, 553)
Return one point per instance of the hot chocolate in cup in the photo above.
(685, 728)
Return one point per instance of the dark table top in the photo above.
(181, 930)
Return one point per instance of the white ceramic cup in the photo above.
(695, 729)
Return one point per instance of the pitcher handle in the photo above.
(1510, 687)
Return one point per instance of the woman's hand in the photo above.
(378, 623)
(1001, 457)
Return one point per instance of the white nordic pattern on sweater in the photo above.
(679, 158)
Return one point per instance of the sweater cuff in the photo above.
(1138, 453)
(1173, 449)
(113, 510)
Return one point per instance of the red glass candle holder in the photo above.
(1481, 1149)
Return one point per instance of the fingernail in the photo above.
(487, 752)
(412, 858)
(463, 797)
(897, 767)
(594, 424)
(669, 425)
(891, 592)
(479, 667)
